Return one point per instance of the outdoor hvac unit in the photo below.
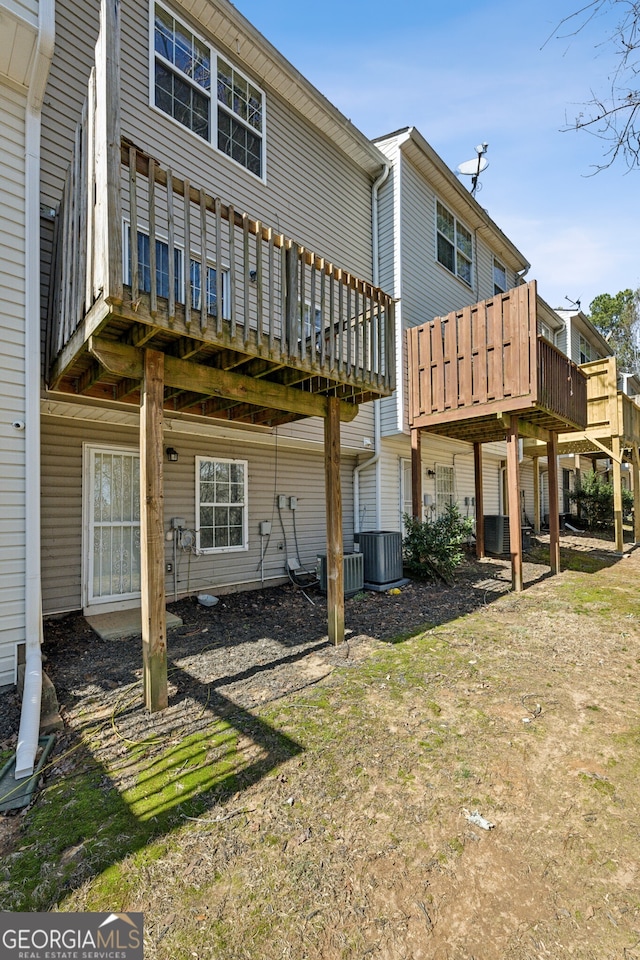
(353, 567)
(496, 535)
(382, 552)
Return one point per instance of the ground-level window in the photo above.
(454, 245)
(445, 488)
(221, 499)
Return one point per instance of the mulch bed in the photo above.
(249, 649)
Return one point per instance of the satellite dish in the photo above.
(471, 168)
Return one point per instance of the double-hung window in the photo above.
(454, 244)
(221, 498)
(205, 93)
(499, 276)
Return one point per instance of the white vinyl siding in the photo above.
(412, 272)
(333, 223)
(12, 373)
(288, 471)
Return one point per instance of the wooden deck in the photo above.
(263, 339)
(483, 374)
(612, 431)
(473, 368)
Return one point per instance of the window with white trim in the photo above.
(184, 65)
(217, 281)
(454, 244)
(547, 332)
(221, 505)
(499, 276)
(586, 351)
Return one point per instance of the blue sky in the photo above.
(467, 73)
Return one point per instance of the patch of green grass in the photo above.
(85, 826)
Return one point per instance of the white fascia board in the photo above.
(449, 188)
(226, 25)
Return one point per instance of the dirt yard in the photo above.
(468, 793)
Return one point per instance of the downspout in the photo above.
(373, 461)
(31, 697)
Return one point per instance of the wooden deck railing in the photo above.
(488, 359)
(562, 386)
(629, 418)
(157, 249)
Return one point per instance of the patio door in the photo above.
(112, 528)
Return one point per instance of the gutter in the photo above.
(373, 461)
(31, 697)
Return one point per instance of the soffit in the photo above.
(227, 27)
(17, 46)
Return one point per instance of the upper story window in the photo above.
(454, 244)
(231, 118)
(587, 352)
(547, 332)
(499, 276)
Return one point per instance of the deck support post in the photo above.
(153, 612)
(477, 472)
(635, 479)
(554, 506)
(333, 497)
(513, 488)
(536, 495)
(617, 493)
(416, 473)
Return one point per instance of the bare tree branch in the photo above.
(613, 117)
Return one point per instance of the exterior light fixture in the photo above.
(172, 455)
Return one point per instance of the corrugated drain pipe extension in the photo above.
(374, 460)
(31, 697)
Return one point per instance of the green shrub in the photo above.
(434, 548)
(594, 496)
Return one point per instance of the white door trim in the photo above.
(128, 601)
